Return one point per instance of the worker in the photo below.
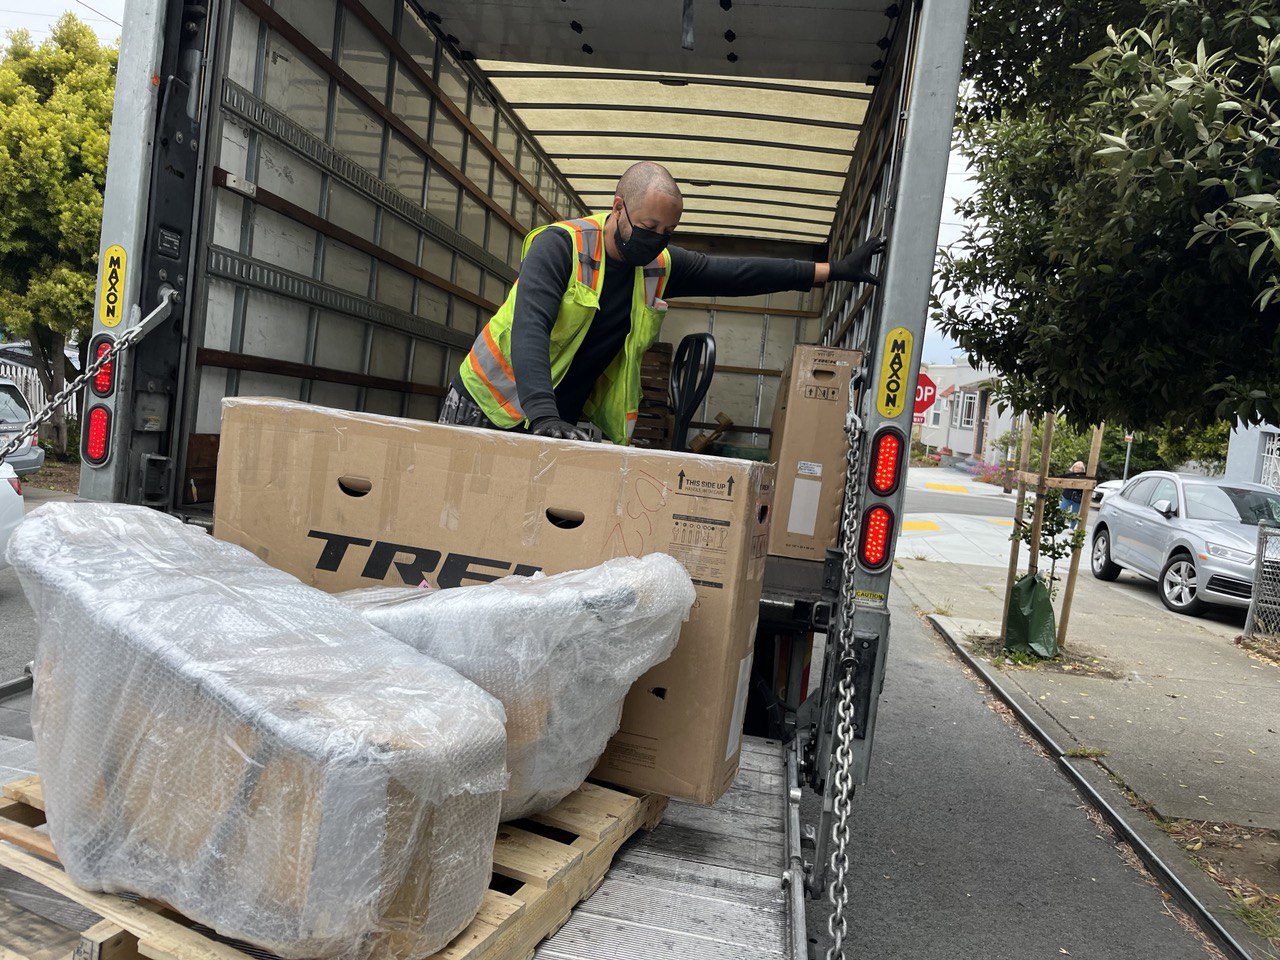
(589, 301)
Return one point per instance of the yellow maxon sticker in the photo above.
(111, 296)
(895, 363)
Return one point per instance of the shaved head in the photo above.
(643, 177)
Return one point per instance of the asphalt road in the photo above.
(932, 501)
(17, 627)
(969, 844)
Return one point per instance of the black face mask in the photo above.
(643, 246)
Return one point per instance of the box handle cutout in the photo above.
(565, 519)
(354, 486)
(763, 513)
(822, 373)
(659, 692)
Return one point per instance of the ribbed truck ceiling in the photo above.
(757, 122)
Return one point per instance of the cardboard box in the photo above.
(809, 447)
(345, 500)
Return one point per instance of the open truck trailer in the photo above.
(329, 198)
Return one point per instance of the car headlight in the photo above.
(1228, 553)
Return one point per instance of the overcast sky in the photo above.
(38, 16)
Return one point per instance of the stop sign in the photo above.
(926, 393)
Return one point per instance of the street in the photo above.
(969, 845)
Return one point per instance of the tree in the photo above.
(1123, 261)
(55, 117)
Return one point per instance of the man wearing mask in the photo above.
(567, 343)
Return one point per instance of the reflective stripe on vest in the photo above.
(495, 373)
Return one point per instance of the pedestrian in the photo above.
(1072, 498)
(568, 342)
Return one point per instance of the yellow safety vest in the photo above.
(615, 400)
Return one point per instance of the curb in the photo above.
(1143, 841)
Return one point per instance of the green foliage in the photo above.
(1019, 53)
(55, 115)
(1167, 447)
(1124, 261)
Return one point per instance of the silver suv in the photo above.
(1196, 537)
(15, 413)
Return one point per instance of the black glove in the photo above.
(556, 429)
(854, 267)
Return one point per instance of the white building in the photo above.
(1253, 455)
(965, 418)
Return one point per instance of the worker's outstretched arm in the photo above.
(697, 275)
(544, 277)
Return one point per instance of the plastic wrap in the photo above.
(560, 652)
(213, 734)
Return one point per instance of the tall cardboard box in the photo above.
(344, 500)
(809, 447)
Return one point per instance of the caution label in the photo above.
(111, 296)
(895, 363)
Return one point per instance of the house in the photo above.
(965, 418)
(1253, 454)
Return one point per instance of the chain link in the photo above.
(838, 891)
(92, 370)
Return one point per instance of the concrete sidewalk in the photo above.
(1187, 719)
(952, 480)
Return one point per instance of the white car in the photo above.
(1103, 490)
(11, 507)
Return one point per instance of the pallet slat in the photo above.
(551, 875)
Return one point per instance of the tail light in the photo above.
(97, 435)
(105, 380)
(886, 462)
(876, 537)
(16, 484)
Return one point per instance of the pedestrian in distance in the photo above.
(1071, 499)
(567, 343)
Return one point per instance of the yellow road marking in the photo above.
(1002, 522)
(949, 487)
(920, 525)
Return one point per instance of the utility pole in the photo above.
(1128, 448)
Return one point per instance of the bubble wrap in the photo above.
(560, 652)
(215, 735)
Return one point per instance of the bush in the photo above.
(993, 473)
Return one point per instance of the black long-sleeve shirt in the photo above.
(544, 277)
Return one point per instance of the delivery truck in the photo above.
(325, 200)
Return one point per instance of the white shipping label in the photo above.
(802, 518)
(739, 707)
(807, 468)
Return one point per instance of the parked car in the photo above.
(1103, 490)
(15, 413)
(11, 507)
(1196, 537)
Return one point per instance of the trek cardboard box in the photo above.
(345, 500)
(809, 447)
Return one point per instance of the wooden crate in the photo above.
(542, 868)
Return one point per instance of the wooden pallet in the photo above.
(542, 869)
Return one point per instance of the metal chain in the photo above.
(92, 370)
(838, 891)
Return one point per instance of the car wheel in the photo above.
(1179, 588)
(1100, 558)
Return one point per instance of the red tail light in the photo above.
(16, 484)
(886, 462)
(97, 435)
(105, 380)
(876, 537)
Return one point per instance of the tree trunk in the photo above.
(47, 350)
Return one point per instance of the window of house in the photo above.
(969, 411)
(935, 413)
(956, 403)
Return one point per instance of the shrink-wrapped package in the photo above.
(213, 734)
(560, 652)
